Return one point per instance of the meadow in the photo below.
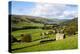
(68, 43)
(35, 27)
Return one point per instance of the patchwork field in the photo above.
(67, 43)
(38, 29)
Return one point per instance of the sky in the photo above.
(46, 10)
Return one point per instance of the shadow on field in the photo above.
(41, 42)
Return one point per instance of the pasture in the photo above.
(68, 43)
(36, 27)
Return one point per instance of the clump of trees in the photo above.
(46, 27)
(26, 38)
(50, 26)
(71, 28)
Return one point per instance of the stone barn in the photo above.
(26, 38)
(60, 36)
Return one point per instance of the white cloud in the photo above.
(66, 13)
(52, 10)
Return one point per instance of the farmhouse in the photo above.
(60, 36)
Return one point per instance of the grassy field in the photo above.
(20, 24)
(67, 43)
(34, 32)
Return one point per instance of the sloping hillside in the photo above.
(28, 19)
(33, 19)
(71, 26)
(22, 21)
(68, 43)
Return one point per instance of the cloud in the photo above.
(60, 11)
(53, 10)
(44, 9)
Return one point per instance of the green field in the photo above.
(67, 43)
(34, 26)
(20, 24)
(34, 32)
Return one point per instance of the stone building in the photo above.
(60, 36)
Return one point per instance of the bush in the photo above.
(26, 38)
(70, 30)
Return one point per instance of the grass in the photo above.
(20, 24)
(67, 43)
(34, 32)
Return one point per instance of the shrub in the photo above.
(26, 38)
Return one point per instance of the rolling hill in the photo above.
(32, 19)
(23, 21)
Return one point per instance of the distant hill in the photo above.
(20, 21)
(33, 19)
(67, 22)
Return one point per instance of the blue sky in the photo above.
(47, 10)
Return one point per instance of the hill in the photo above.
(20, 21)
(33, 19)
(71, 26)
(27, 25)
